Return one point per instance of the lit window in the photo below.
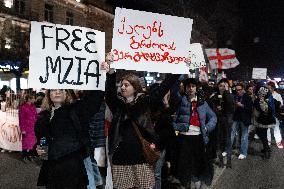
(8, 43)
(8, 3)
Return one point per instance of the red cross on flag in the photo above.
(222, 58)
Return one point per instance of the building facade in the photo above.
(15, 17)
(19, 13)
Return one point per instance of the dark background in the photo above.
(254, 28)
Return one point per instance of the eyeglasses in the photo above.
(239, 89)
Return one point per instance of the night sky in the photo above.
(265, 20)
(255, 27)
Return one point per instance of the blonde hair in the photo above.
(47, 103)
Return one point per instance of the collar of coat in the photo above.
(139, 95)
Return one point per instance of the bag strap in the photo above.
(135, 126)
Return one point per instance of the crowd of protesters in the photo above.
(191, 125)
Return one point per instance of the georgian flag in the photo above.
(222, 58)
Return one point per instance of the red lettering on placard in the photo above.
(123, 21)
(145, 31)
(138, 27)
(140, 55)
(145, 44)
(136, 44)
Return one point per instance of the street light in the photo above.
(149, 79)
(8, 3)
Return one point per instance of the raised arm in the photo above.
(111, 92)
(159, 93)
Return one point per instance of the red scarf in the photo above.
(194, 117)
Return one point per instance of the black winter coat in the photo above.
(97, 132)
(264, 118)
(68, 142)
(67, 131)
(244, 114)
(226, 102)
(138, 111)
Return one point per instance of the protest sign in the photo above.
(196, 56)
(259, 73)
(66, 57)
(10, 134)
(144, 41)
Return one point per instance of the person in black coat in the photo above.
(64, 123)
(264, 117)
(131, 107)
(223, 106)
(242, 119)
(211, 148)
(162, 118)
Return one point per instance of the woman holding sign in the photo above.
(131, 110)
(62, 126)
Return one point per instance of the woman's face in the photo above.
(127, 90)
(8, 93)
(57, 96)
(222, 87)
(191, 89)
(250, 90)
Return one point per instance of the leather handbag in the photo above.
(151, 155)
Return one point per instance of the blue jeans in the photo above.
(158, 170)
(237, 125)
(93, 173)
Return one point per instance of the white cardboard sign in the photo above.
(66, 57)
(145, 41)
(196, 55)
(259, 73)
